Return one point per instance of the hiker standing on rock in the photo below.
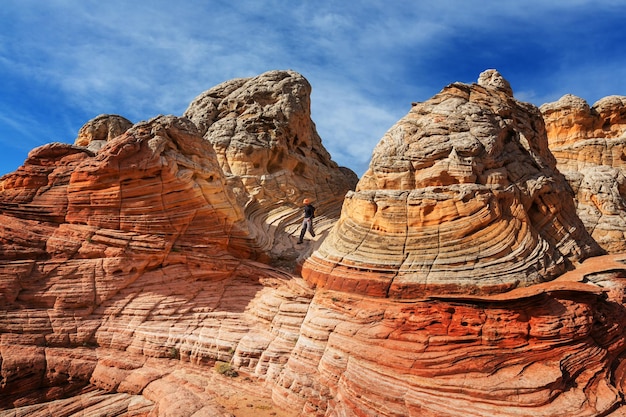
(307, 223)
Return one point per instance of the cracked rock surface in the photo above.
(589, 144)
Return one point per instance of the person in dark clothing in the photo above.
(307, 223)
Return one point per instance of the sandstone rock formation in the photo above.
(87, 237)
(134, 275)
(549, 349)
(101, 129)
(464, 194)
(589, 144)
(270, 152)
(112, 226)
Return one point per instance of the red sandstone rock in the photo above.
(127, 272)
(101, 245)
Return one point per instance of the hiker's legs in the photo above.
(303, 231)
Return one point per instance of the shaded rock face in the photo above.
(464, 194)
(102, 231)
(129, 273)
(588, 144)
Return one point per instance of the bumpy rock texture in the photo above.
(137, 274)
(270, 152)
(589, 143)
(464, 194)
(101, 129)
(128, 218)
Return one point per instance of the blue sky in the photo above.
(63, 62)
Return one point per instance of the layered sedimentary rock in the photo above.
(462, 195)
(588, 143)
(270, 151)
(108, 243)
(134, 277)
(544, 350)
(159, 182)
(86, 235)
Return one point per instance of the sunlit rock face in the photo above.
(101, 129)
(129, 270)
(159, 178)
(75, 223)
(131, 254)
(461, 196)
(95, 248)
(271, 153)
(589, 145)
(548, 349)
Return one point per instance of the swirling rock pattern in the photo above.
(87, 236)
(271, 153)
(589, 146)
(542, 350)
(129, 271)
(461, 196)
(94, 238)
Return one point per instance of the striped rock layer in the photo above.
(130, 210)
(462, 196)
(589, 144)
(135, 282)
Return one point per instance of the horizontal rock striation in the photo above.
(589, 144)
(532, 351)
(140, 273)
(462, 196)
(135, 240)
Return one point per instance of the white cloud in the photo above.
(366, 61)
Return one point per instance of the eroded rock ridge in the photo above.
(588, 143)
(464, 193)
(144, 263)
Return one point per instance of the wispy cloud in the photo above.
(353, 123)
(66, 61)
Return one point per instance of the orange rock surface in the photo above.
(589, 145)
(128, 218)
(139, 272)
